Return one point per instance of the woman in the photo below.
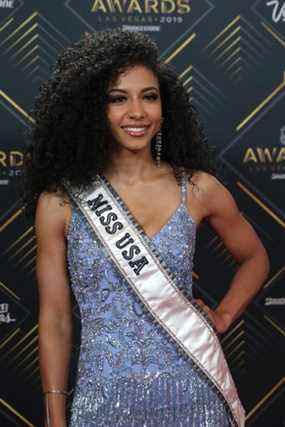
(120, 174)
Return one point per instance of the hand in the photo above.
(221, 321)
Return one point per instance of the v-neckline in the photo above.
(130, 214)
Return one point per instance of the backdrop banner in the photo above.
(230, 58)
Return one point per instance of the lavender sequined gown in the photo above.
(129, 373)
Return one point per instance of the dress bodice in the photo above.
(129, 373)
(108, 308)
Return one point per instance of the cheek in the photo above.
(114, 117)
(157, 116)
(157, 112)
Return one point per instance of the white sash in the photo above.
(149, 277)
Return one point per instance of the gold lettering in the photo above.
(147, 6)
(99, 6)
(115, 6)
(134, 6)
(250, 156)
(183, 6)
(167, 6)
(16, 158)
(281, 155)
(265, 154)
(3, 158)
(151, 6)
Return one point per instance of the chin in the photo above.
(135, 145)
(135, 148)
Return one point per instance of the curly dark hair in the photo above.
(71, 137)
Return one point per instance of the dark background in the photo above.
(230, 57)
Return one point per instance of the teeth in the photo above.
(135, 129)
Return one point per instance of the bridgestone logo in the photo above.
(8, 4)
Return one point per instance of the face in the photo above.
(134, 108)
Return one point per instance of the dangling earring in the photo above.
(158, 147)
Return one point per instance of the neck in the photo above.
(130, 167)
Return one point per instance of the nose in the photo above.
(136, 110)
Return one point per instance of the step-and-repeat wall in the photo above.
(230, 57)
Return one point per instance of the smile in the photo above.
(135, 131)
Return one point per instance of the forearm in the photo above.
(55, 340)
(246, 283)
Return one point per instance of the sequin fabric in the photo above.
(129, 373)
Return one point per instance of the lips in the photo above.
(135, 130)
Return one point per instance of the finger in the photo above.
(202, 304)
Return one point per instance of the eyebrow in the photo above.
(125, 91)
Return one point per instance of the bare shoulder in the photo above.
(52, 203)
(53, 212)
(206, 182)
(211, 193)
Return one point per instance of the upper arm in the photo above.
(225, 218)
(51, 266)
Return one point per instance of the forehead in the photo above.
(137, 76)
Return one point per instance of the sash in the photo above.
(148, 276)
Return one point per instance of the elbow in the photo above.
(265, 260)
(262, 263)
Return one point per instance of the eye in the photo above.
(116, 99)
(151, 96)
